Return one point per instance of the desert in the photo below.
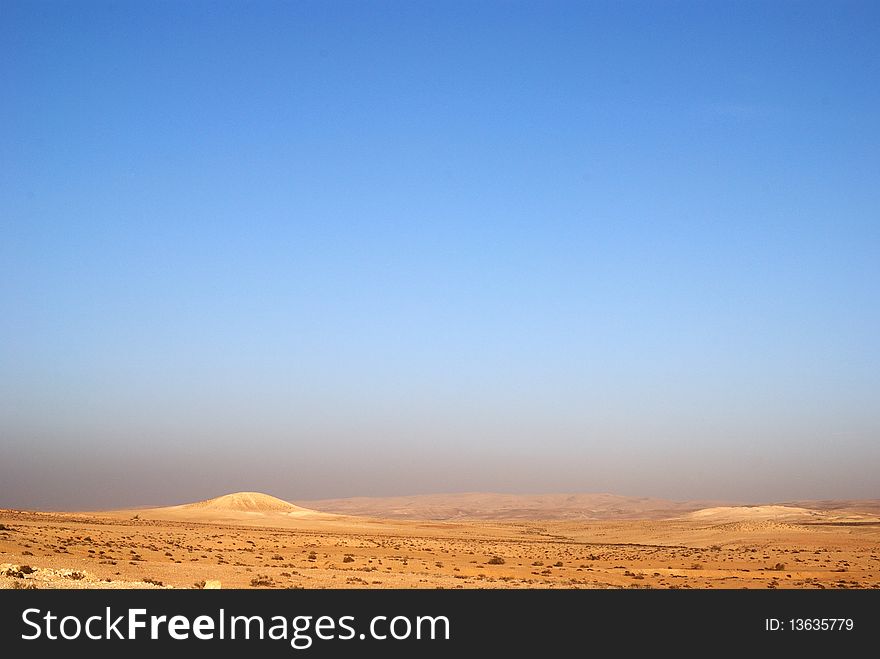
(472, 540)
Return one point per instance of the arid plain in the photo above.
(252, 540)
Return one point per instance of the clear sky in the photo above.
(325, 249)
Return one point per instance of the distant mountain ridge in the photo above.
(493, 506)
(497, 506)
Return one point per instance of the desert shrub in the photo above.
(348, 559)
(18, 585)
(75, 576)
(558, 564)
(779, 566)
(199, 584)
(19, 572)
(155, 582)
(262, 580)
(496, 560)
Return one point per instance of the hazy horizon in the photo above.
(334, 249)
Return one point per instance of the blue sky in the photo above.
(332, 249)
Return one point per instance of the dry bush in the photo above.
(262, 580)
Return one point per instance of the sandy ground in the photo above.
(185, 546)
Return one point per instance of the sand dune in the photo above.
(246, 502)
(244, 507)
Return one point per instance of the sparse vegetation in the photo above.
(18, 572)
(239, 555)
(262, 580)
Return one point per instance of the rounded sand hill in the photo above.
(246, 502)
(244, 507)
